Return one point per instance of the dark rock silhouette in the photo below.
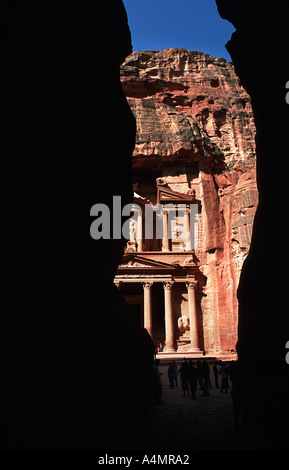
(259, 50)
(64, 324)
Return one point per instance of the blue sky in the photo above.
(192, 24)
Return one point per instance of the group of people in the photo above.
(191, 375)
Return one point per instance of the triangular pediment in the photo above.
(133, 261)
(166, 194)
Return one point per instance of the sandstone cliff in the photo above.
(195, 129)
(189, 95)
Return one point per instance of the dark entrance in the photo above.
(158, 310)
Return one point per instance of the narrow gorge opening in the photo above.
(195, 143)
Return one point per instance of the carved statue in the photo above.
(132, 231)
(183, 324)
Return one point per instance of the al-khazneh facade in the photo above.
(194, 145)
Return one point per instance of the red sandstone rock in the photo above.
(189, 96)
(195, 129)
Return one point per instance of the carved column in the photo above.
(169, 320)
(148, 318)
(166, 246)
(194, 331)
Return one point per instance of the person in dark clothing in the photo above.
(184, 377)
(216, 374)
(206, 379)
(231, 368)
(175, 367)
(171, 375)
(224, 376)
(192, 379)
(200, 374)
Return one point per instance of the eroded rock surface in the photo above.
(188, 96)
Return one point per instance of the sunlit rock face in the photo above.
(189, 95)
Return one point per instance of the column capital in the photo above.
(147, 284)
(168, 284)
(191, 283)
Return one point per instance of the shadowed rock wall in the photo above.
(67, 343)
(261, 37)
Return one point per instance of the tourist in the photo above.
(192, 379)
(157, 383)
(200, 374)
(184, 377)
(206, 379)
(223, 369)
(216, 374)
(176, 372)
(171, 375)
(230, 368)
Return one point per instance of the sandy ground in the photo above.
(181, 423)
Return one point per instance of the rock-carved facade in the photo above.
(194, 155)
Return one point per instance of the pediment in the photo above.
(132, 261)
(166, 195)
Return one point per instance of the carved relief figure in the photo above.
(183, 324)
